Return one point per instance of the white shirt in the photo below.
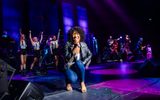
(149, 49)
(36, 45)
(77, 56)
(54, 44)
(23, 44)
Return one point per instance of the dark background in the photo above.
(138, 18)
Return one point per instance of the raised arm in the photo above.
(41, 37)
(30, 37)
(20, 31)
(59, 31)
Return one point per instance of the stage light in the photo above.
(150, 19)
(68, 18)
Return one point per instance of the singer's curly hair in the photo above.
(78, 30)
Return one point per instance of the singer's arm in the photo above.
(41, 37)
(30, 37)
(58, 35)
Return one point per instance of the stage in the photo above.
(107, 81)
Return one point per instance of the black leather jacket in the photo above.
(84, 52)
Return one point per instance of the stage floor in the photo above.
(108, 81)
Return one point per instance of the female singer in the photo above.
(23, 54)
(77, 56)
(36, 46)
(53, 44)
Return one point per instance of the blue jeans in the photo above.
(77, 70)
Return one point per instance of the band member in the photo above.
(114, 47)
(46, 57)
(77, 56)
(23, 54)
(46, 52)
(94, 46)
(110, 41)
(140, 47)
(36, 46)
(127, 43)
(54, 48)
(126, 46)
(114, 50)
(111, 52)
(148, 52)
(107, 49)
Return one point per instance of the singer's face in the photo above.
(35, 39)
(23, 37)
(54, 37)
(76, 37)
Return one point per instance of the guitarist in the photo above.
(140, 47)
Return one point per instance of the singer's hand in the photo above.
(76, 50)
(41, 33)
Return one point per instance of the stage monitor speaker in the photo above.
(31, 92)
(3, 80)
